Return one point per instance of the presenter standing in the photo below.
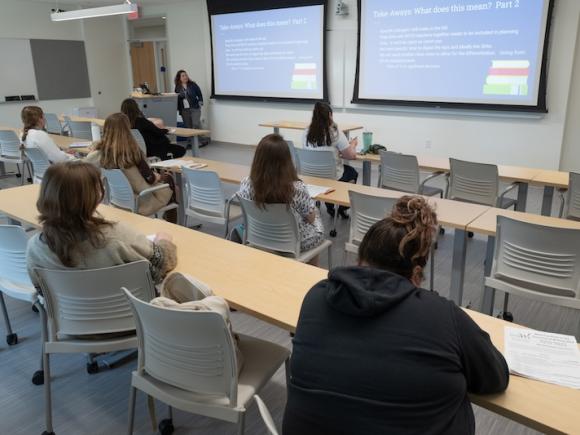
(189, 100)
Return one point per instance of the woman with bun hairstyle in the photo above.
(374, 353)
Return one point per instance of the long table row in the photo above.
(272, 288)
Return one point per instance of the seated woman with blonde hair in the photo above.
(119, 150)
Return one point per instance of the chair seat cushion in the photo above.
(507, 202)
(310, 254)
(21, 291)
(431, 191)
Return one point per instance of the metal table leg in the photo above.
(2, 169)
(195, 146)
(276, 130)
(547, 201)
(488, 292)
(458, 266)
(367, 168)
(522, 197)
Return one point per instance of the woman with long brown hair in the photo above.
(156, 140)
(189, 99)
(324, 133)
(119, 150)
(74, 235)
(35, 136)
(273, 180)
(375, 353)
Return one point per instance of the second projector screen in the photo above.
(474, 52)
(272, 53)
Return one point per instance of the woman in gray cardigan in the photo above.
(74, 235)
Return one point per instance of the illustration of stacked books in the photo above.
(304, 76)
(507, 77)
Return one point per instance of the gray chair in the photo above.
(266, 416)
(40, 163)
(11, 151)
(79, 129)
(571, 199)
(53, 124)
(88, 303)
(187, 359)
(401, 172)
(294, 155)
(275, 229)
(317, 162)
(205, 198)
(140, 140)
(536, 262)
(14, 279)
(120, 193)
(477, 183)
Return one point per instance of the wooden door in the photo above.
(143, 64)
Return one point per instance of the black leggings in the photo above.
(349, 175)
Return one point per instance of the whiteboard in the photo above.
(17, 70)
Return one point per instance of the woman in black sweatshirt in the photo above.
(376, 354)
(156, 140)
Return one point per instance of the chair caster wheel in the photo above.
(441, 230)
(29, 180)
(332, 233)
(35, 308)
(38, 377)
(470, 234)
(92, 368)
(507, 316)
(435, 246)
(47, 433)
(18, 175)
(166, 427)
(12, 339)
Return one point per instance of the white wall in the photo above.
(500, 139)
(108, 62)
(20, 19)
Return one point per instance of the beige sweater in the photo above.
(122, 245)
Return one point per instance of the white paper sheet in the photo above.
(315, 191)
(178, 163)
(547, 357)
(80, 145)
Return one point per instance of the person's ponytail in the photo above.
(31, 116)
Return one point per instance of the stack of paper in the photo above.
(547, 357)
(315, 191)
(179, 163)
(80, 145)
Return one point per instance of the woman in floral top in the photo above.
(273, 180)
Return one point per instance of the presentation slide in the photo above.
(452, 51)
(273, 53)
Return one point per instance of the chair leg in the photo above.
(241, 423)
(132, 397)
(334, 219)
(46, 367)
(11, 338)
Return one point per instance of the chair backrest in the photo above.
(541, 258)
(400, 172)
(273, 228)
(294, 155)
(191, 350)
(80, 129)
(573, 197)
(13, 243)
(119, 189)
(139, 139)
(52, 123)
(203, 192)
(366, 210)
(90, 301)
(39, 161)
(473, 182)
(10, 145)
(317, 163)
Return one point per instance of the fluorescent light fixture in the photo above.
(105, 11)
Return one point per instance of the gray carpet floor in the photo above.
(97, 404)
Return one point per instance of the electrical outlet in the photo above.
(428, 144)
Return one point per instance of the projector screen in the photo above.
(269, 54)
(453, 53)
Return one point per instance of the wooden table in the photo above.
(299, 125)
(509, 174)
(272, 288)
(486, 224)
(191, 133)
(450, 213)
